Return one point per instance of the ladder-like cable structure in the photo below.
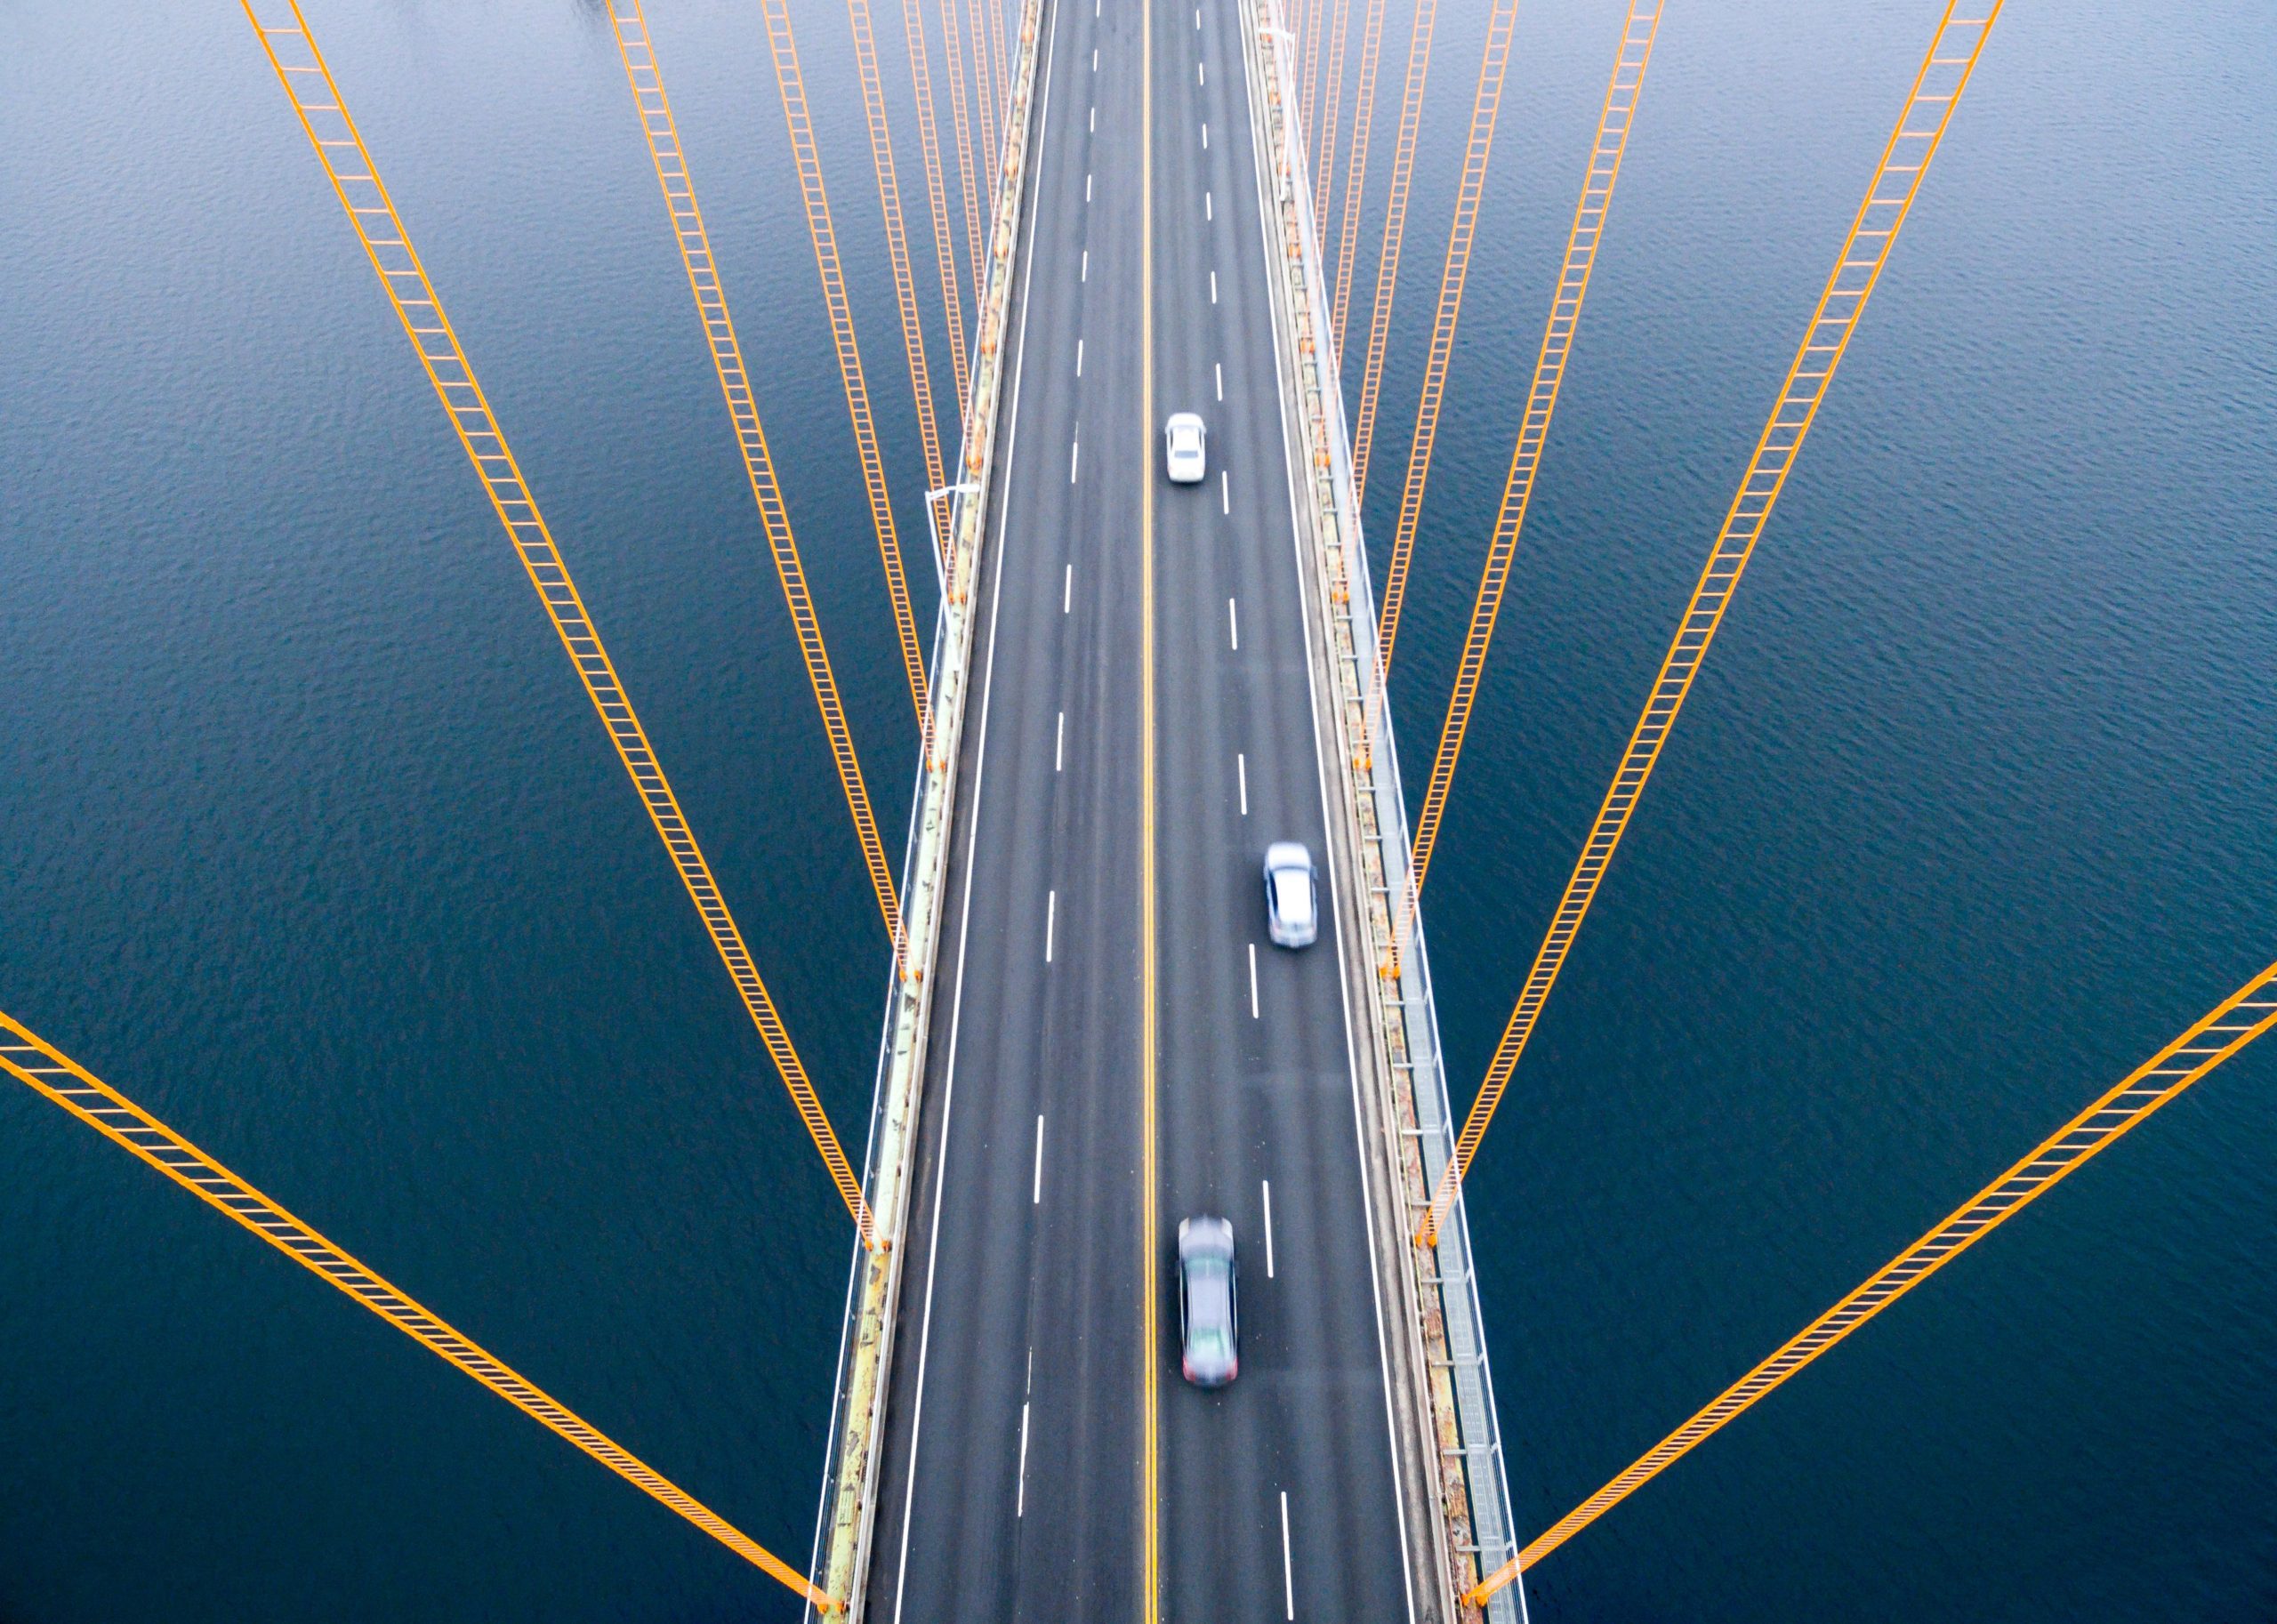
(1403, 175)
(1944, 74)
(1356, 173)
(904, 281)
(1492, 64)
(983, 89)
(2217, 1037)
(791, 83)
(670, 158)
(63, 1081)
(1003, 85)
(356, 182)
(936, 197)
(1340, 25)
(1309, 35)
(968, 184)
(1581, 242)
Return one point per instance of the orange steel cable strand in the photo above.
(323, 118)
(1403, 174)
(968, 181)
(1943, 75)
(1356, 173)
(1309, 37)
(790, 82)
(905, 283)
(1492, 65)
(1621, 95)
(63, 1080)
(990, 151)
(2233, 1024)
(670, 160)
(1340, 25)
(936, 197)
(1003, 71)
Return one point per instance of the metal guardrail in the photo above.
(866, 1349)
(1473, 1487)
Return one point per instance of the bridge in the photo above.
(1132, 687)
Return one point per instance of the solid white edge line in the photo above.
(964, 920)
(1328, 820)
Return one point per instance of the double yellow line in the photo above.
(1149, 1222)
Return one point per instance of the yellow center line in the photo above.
(1148, 1294)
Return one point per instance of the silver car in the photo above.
(1184, 457)
(1292, 894)
(1209, 1311)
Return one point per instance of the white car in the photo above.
(1184, 457)
(1291, 894)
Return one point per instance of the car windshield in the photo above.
(1293, 891)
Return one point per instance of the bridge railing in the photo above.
(1472, 1485)
(848, 1508)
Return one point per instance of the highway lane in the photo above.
(1012, 1484)
(1268, 1099)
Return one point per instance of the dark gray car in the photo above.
(1209, 1311)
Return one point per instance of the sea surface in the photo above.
(309, 843)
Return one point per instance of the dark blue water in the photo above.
(314, 847)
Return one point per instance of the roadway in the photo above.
(1027, 1394)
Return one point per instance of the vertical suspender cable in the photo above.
(670, 161)
(64, 1082)
(1003, 79)
(1315, 24)
(2217, 1037)
(1943, 75)
(1484, 108)
(791, 83)
(1403, 174)
(990, 150)
(936, 196)
(356, 182)
(1356, 173)
(1581, 242)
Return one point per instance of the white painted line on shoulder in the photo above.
(1232, 625)
(1050, 921)
(1288, 1585)
(1253, 981)
(1036, 1186)
(1059, 743)
(1267, 1185)
(1241, 772)
(1020, 1504)
(1066, 588)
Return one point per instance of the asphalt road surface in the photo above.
(1028, 1397)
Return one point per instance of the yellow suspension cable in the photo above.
(790, 82)
(1943, 75)
(323, 118)
(65, 1082)
(984, 90)
(967, 182)
(1402, 174)
(670, 161)
(1484, 108)
(905, 284)
(2233, 1024)
(1340, 25)
(1356, 171)
(1613, 122)
(920, 83)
